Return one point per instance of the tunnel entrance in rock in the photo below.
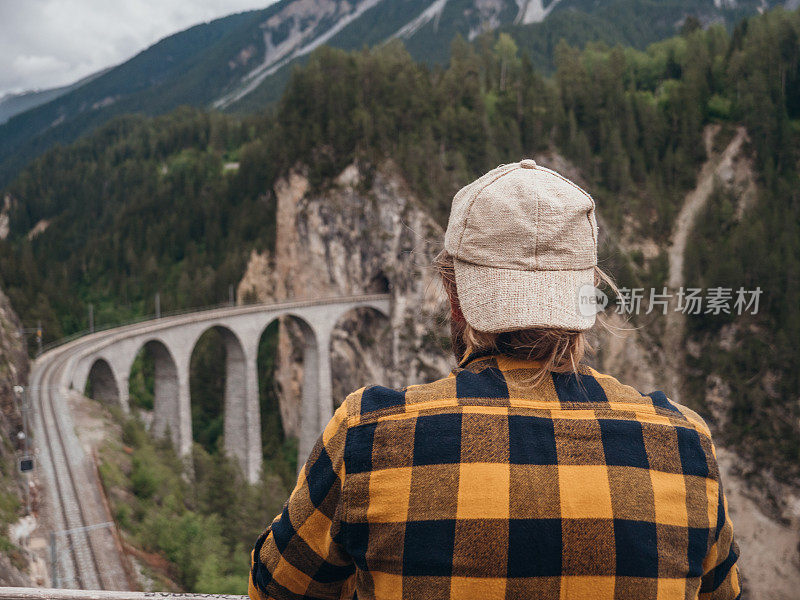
(379, 284)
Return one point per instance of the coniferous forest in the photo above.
(153, 205)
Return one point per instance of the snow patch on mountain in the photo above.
(486, 16)
(534, 11)
(432, 13)
(309, 19)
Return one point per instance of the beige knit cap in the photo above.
(524, 245)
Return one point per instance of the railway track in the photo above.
(87, 555)
(90, 556)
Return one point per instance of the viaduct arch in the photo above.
(104, 361)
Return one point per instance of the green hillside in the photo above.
(205, 64)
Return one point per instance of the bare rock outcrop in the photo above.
(366, 233)
(13, 371)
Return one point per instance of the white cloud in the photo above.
(48, 43)
(36, 65)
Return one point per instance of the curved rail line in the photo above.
(93, 558)
(81, 544)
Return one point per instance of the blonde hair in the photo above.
(559, 350)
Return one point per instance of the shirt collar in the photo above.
(504, 362)
(472, 355)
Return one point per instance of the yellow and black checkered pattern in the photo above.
(482, 486)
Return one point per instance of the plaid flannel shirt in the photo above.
(482, 486)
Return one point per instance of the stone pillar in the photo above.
(183, 413)
(252, 417)
(317, 407)
(124, 394)
(309, 408)
(324, 393)
(235, 418)
(169, 395)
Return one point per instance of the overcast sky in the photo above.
(48, 43)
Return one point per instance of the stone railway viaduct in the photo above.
(105, 359)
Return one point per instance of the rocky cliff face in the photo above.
(366, 233)
(13, 371)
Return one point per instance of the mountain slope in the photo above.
(162, 77)
(241, 62)
(14, 104)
